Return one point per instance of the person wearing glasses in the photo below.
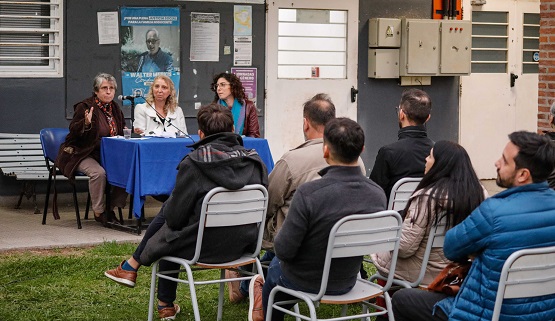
(93, 118)
(154, 59)
(407, 156)
(231, 93)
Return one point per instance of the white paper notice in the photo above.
(205, 36)
(108, 29)
(242, 51)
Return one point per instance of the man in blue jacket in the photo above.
(521, 217)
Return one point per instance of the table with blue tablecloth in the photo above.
(148, 165)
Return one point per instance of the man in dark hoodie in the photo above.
(219, 159)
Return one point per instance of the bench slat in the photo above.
(20, 146)
(10, 135)
(22, 164)
(8, 141)
(21, 158)
(20, 152)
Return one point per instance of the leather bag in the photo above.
(450, 279)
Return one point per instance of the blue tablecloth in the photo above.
(148, 166)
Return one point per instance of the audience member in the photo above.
(219, 159)
(300, 245)
(93, 118)
(231, 93)
(160, 115)
(521, 217)
(407, 156)
(154, 59)
(449, 191)
(551, 135)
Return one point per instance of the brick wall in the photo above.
(546, 85)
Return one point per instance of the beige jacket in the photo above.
(414, 236)
(297, 166)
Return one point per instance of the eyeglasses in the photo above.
(106, 88)
(222, 84)
(152, 41)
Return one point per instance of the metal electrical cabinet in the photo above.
(419, 53)
(384, 39)
(456, 47)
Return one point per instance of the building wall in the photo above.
(546, 90)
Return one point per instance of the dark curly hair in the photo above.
(237, 89)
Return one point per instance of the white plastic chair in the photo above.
(401, 192)
(221, 207)
(436, 239)
(526, 273)
(353, 235)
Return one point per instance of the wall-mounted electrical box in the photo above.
(383, 63)
(384, 32)
(419, 47)
(456, 47)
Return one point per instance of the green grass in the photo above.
(70, 285)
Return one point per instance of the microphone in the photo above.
(131, 97)
(167, 120)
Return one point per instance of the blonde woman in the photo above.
(160, 115)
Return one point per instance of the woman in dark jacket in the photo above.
(95, 117)
(231, 93)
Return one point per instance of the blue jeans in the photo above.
(244, 288)
(275, 277)
(166, 289)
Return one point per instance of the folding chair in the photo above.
(353, 235)
(436, 239)
(526, 273)
(221, 207)
(51, 139)
(401, 192)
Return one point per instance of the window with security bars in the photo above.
(312, 44)
(490, 36)
(530, 43)
(31, 43)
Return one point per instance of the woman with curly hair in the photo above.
(160, 115)
(449, 191)
(230, 93)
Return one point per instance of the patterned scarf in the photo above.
(107, 110)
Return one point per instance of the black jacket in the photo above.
(551, 178)
(218, 160)
(404, 158)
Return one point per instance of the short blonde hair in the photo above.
(171, 101)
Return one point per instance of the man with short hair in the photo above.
(154, 59)
(297, 166)
(218, 159)
(300, 245)
(407, 156)
(521, 217)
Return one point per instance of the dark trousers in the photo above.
(166, 289)
(417, 305)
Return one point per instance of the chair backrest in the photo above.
(436, 239)
(526, 273)
(361, 234)
(224, 207)
(401, 192)
(51, 139)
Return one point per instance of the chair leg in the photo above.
(37, 211)
(120, 215)
(152, 290)
(221, 296)
(88, 206)
(47, 198)
(76, 204)
(344, 310)
(193, 291)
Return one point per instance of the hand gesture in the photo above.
(88, 116)
(139, 131)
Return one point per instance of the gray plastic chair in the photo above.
(526, 273)
(436, 239)
(401, 192)
(353, 235)
(220, 207)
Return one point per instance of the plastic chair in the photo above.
(526, 273)
(436, 239)
(51, 139)
(220, 207)
(401, 192)
(353, 235)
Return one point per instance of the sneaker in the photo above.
(256, 312)
(169, 313)
(122, 276)
(235, 295)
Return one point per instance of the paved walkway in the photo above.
(21, 229)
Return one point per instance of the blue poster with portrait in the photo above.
(150, 47)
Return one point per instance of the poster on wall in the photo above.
(149, 47)
(205, 36)
(248, 80)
